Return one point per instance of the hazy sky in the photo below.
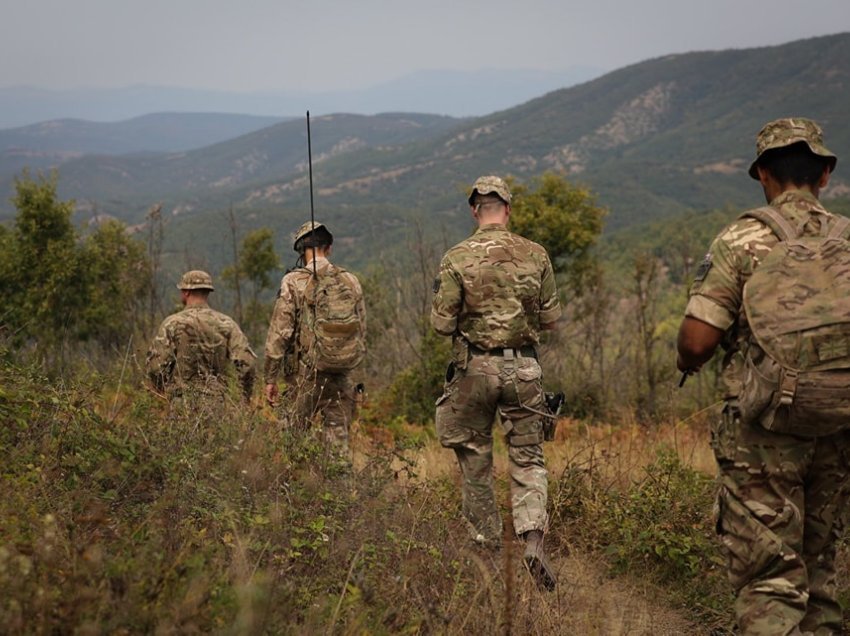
(347, 44)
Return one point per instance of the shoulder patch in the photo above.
(704, 266)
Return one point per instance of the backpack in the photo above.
(331, 336)
(797, 302)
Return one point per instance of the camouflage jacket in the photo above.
(495, 289)
(192, 348)
(716, 296)
(283, 346)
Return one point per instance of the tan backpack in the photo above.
(797, 303)
(332, 339)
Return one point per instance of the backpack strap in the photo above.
(775, 221)
(839, 228)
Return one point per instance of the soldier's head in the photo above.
(490, 200)
(195, 286)
(312, 238)
(790, 153)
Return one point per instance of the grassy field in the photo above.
(115, 518)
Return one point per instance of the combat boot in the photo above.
(536, 562)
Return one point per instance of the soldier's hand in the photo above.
(271, 392)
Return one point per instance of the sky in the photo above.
(323, 45)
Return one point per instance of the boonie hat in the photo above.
(196, 279)
(490, 185)
(791, 130)
(306, 229)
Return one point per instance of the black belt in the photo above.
(526, 351)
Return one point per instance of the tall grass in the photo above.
(116, 517)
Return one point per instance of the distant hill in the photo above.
(49, 144)
(663, 137)
(156, 132)
(455, 93)
(213, 173)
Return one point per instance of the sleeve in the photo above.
(716, 294)
(448, 297)
(361, 307)
(243, 358)
(281, 331)
(550, 304)
(161, 357)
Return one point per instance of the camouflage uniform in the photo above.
(493, 292)
(781, 497)
(188, 356)
(331, 396)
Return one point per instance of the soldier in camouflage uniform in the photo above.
(330, 396)
(494, 293)
(781, 497)
(188, 357)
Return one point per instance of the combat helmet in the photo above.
(490, 185)
(196, 279)
(791, 130)
(301, 238)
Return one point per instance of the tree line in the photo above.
(66, 289)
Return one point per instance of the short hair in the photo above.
(794, 164)
(484, 199)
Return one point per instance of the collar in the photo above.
(795, 194)
(491, 227)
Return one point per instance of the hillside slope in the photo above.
(51, 143)
(215, 170)
(660, 137)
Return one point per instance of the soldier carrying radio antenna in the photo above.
(317, 336)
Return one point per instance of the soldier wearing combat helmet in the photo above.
(783, 493)
(494, 294)
(316, 338)
(189, 355)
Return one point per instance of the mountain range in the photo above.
(666, 136)
(456, 93)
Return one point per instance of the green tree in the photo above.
(256, 264)
(561, 217)
(43, 281)
(56, 289)
(118, 277)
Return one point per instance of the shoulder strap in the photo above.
(775, 221)
(839, 228)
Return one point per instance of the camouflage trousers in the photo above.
(329, 400)
(466, 411)
(779, 513)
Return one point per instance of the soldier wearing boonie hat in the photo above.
(782, 496)
(785, 132)
(188, 357)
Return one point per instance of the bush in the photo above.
(659, 527)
